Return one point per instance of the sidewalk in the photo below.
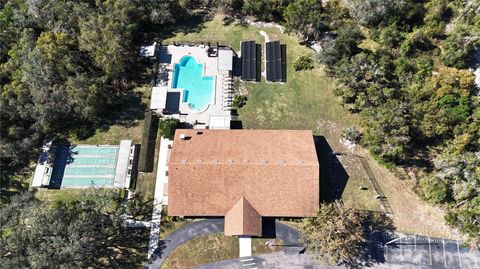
(160, 198)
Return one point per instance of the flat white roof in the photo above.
(122, 164)
(159, 97)
(225, 59)
(220, 122)
(41, 172)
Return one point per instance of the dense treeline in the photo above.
(403, 66)
(87, 233)
(65, 64)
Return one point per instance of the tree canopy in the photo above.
(86, 233)
(340, 235)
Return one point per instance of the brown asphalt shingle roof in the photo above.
(275, 171)
(243, 219)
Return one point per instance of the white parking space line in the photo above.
(475, 258)
(430, 250)
(444, 253)
(458, 252)
(415, 260)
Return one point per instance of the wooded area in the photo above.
(403, 66)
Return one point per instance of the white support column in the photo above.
(245, 246)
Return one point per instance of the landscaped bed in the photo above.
(212, 248)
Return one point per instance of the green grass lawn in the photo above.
(63, 195)
(212, 248)
(353, 194)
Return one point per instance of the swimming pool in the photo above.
(197, 89)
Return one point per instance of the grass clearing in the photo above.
(146, 181)
(353, 194)
(127, 124)
(211, 248)
(63, 195)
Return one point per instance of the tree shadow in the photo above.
(333, 176)
(125, 248)
(193, 24)
(379, 229)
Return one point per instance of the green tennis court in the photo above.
(84, 166)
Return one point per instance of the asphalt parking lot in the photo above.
(430, 252)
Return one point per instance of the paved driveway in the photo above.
(182, 235)
(408, 252)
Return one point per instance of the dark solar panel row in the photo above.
(276, 61)
(249, 60)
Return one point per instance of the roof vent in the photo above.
(184, 136)
(197, 132)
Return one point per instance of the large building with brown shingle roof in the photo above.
(243, 175)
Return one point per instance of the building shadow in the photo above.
(268, 228)
(333, 176)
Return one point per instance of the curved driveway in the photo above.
(289, 235)
(180, 236)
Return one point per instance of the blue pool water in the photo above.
(197, 89)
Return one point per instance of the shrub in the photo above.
(352, 134)
(167, 127)
(303, 63)
(239, 101)
(434, 190)
(147, 150)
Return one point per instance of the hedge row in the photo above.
(147, 150)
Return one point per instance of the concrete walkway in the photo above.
(182, 235)
(159, 199)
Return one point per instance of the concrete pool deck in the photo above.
(171, 55)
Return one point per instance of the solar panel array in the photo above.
(249, 60)
(276, 61)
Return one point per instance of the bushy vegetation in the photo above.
(239, 100)
(419, 105)
(352, 134)
(303, 63)
(149, 138)
(81, 234)
(168, 126)
(339, 236)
